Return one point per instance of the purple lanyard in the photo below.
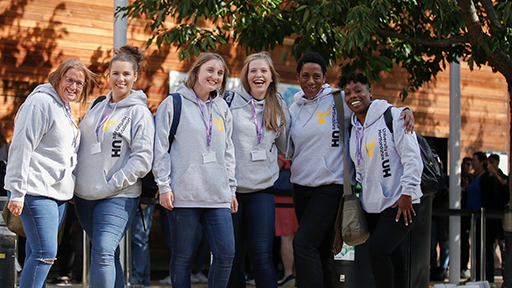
(259, 130)
(359, 139)
(208, 127)
(105, 115)
(72, 121)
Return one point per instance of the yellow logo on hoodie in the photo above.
(219, 123)
(321, 116)
(108, 123)
(369, 147)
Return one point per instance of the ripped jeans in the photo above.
(41, 218)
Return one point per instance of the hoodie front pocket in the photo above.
(204, 183)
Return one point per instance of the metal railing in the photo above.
(475, 215)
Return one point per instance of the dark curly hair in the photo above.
(355, 77)
(312, 57)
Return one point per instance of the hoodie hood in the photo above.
(375, 111)
(137, 97)
(300, 98)
(47, 88)
(190, 95)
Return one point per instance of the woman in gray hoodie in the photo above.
(41, 161)
(196, 175)
(317, 170)
(116, 151)
(260, 117)
(388, 166)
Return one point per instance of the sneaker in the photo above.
(464, 274)
(166, 280)
(193, 278)
(202, 279)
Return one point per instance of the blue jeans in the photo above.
(316, 209)
(254, 233)
(141, 268)
(105, 221)
(218, 226)
(41, 218)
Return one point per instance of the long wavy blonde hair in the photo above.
(273, 109)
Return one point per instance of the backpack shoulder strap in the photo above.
(98, 100)
(389, 119)
(176, 101)
(228, 97)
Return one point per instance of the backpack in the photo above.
(149, 186)
(431, 166)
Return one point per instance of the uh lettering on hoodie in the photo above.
(384, 155)
(116, 135)
(335, 135)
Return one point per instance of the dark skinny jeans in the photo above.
(315, 208)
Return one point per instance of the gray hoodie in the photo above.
(252, 176)
(315, 136)
(195, 184)
(390, 164)
(126, 139)
(42, 155)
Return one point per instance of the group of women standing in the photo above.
(217, 172)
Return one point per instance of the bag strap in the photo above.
(338, 101)
(176, 101)
(388, 117)
(98, 100)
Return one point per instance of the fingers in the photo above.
(15, 207)
(167, 200)
(234, 205)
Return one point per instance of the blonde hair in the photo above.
(203, 58)
(273, 108)
(71, 63)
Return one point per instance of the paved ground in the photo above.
(155, 284)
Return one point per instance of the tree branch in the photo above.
(427, 42)
(491, 13)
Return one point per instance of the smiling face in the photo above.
(69, 92)
(358, 98)
(209, 78)
(122, 78)
(311, 79)
(259, 77)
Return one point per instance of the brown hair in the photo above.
(203, 58)
(273, 108)
(130, 54)
(71, 63)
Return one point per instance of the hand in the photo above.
(234, 205)
(166, 200)
(15, 207)
(408, 117)
(143, 206)
(405, 208)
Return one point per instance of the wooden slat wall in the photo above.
(35, 36)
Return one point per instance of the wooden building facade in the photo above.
(35, 36)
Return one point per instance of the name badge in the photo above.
(209, 157)
(258, 155)
(95, 148)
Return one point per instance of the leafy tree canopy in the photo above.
(420, 36)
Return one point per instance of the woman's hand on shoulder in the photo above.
(408, 117)
(167, 200)
(234, 205)
(15, 207)
(405, 208)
